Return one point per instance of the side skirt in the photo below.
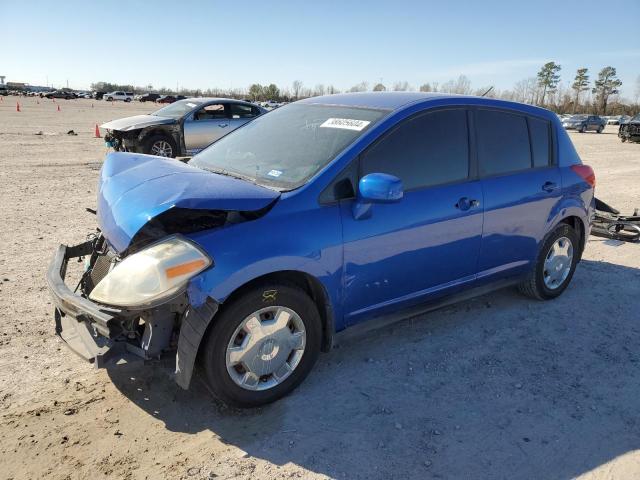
(377, 323)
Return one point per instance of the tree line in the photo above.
(545, 89)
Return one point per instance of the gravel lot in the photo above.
(497, 387)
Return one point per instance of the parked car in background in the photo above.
(149, 97)
(98, 95)
(270, 104)
(183, 128)
(4, 91)
(166, 99)
(84, 95)
(630, 130)
(584, 123)
(118, 95)
(312, 219)
(613, 120)
(66, 94)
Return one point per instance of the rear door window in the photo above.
(431, 149)
(540, 134)
(503, 142)
(238, 110)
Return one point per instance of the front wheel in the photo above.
(555, 265)
(582, 129)
(262, 346)
(160, 146)
(600, 129)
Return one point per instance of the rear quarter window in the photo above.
(540, 145)
(503, 142)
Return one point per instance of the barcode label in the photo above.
(345, 123)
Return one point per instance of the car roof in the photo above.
(397, 100)
(213, 99)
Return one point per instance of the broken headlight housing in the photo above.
(157, 272)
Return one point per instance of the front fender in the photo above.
(306, 241)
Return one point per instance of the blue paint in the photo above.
(384, 249)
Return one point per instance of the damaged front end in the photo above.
(105, 334)
(123, 141)
(137, 295)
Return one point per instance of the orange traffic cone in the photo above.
(58, 107)
(97, 132)
(17, 106)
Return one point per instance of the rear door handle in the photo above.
(223, 125)
(465, 203)
(549, 186)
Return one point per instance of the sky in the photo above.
(232, 44)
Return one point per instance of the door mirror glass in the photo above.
(380, 188)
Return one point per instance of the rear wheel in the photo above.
(582, 129)
(555, 265)
(262, 346)
(160, 146)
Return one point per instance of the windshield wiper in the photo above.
(227, 173)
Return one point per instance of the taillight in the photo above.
(586, 173)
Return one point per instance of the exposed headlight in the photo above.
(152, 274)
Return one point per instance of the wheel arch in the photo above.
(306, 282)
(577, 224)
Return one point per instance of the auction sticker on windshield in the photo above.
(345, 123)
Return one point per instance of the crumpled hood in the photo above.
(136, 122)
(136, 188)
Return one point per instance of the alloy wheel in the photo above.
(162, 148)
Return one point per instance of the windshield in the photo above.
(177, 109)
(287, 146)
(636, 118)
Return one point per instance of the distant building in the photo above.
(17, 85)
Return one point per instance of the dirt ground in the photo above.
(497, 387)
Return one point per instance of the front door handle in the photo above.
(465, 203)
(223, 125)
(549, 186)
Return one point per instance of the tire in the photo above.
(600, 129)
(582, 129)
(152, 146)
(109, 99)
(534, 285)
(218, 367)
(127, 100)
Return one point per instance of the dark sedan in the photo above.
(149, 97)
(66, 94)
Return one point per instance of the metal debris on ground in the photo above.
(609, 223)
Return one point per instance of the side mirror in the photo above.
(376, 188)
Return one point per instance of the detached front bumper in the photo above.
(102, 334)
(87, 328)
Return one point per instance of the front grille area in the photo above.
(101, 266)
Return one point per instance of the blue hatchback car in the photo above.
(313, 218)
